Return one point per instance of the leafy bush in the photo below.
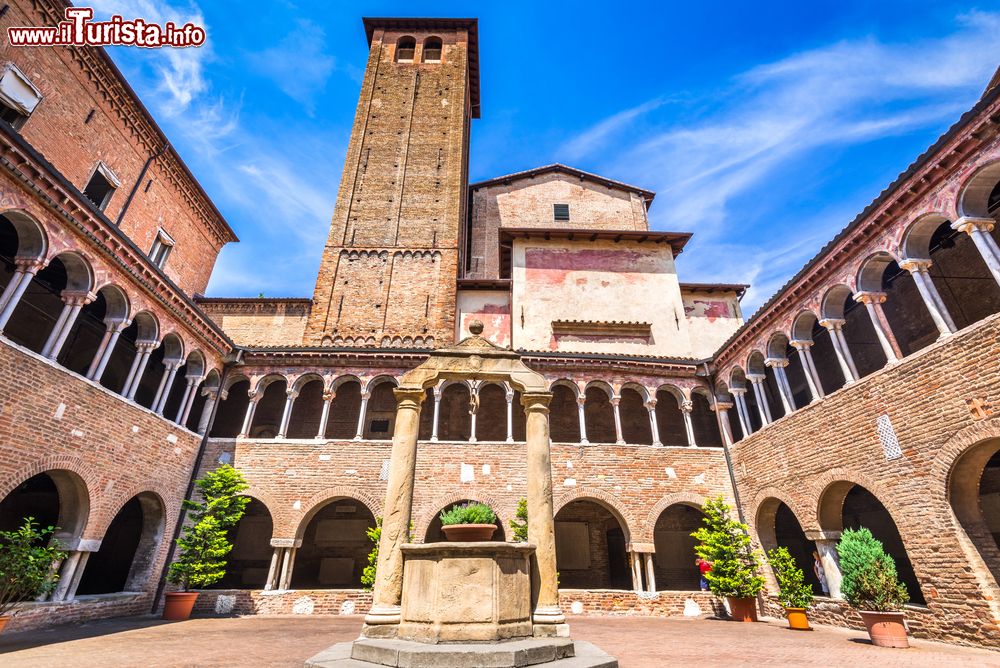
(519, 525)
(468, 513)
(725, 543)
(869, 574)
(205, 544)
(794, 592)
(26, 559)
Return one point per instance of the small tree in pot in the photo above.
(26, 566)
(469, 522)
(793, 592)
(204, 543)
(725, 543)
(870, 584)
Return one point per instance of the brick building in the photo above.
(862, 393)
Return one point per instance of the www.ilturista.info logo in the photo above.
(79, 30)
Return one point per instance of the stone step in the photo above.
(543, 652)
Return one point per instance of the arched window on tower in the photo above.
(432, 50)
(405, 48)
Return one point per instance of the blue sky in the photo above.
(763, 129)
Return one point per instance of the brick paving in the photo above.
(288, 641)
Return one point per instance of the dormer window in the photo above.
(405, 48)
(432, 50)
(101, 186)
(162, 246)
(560, 213)
(18, 97)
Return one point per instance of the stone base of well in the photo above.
(542, 652)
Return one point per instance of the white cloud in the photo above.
(598, 136)
(298, 64)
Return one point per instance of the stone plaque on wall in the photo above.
(572, 545)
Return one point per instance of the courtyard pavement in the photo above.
(287, 641)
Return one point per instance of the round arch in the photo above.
(979, 191)
(335, 544)
(32, 241)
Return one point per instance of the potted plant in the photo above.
(725, 544)
(870, 584)
(204, 544)
(27, 557)
(794, 594)
(468, 522)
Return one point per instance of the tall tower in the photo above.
(389, 268)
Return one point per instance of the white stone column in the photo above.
(277, 557)
(835, 326)
(248, 418)
(929, 293)
(473, 410)
(979, 229)
(286, 570)
(24, 271)
(757, 381)
(166, 384)
(742, 412)
(722, 413)
(826, 547)
(873, 304)
(510, 416)
(437, 392)
(778, 365)
(650, 573)
(687, 406)
(803, 348)
(286, 414)
(653, 427)
(324, 416)
(188, 403)
(71, 572)
(188, 394)
(362, 414)
(636, 571)
(139, 362)
(105, 350)
(615, 401)
(73, 302)
(580, 404)
(211, 396)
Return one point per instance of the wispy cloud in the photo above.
(736, 142)
(299, 64)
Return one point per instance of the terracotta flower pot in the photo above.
(178, 605)
(742, 609)
(468, 533)
(3, 620)
(886, 629)
(797, 619)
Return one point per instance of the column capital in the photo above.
(581, 399)
(833, 324)
(615, 401)
(969, 223)
(329, 395)
(536, 401)
(368, 395)
(117, 325)
(406, 397)
(916, 266)
(509, 396)
(650, 404)
(869, 297)
(801, 344)
(77, 298)
(756, 377)
(292, 393)
(146, 346)
(210, 392)
(254, 395)
(28, 265)
(722, 405)
(780, 362)
(687, 406)
(737, 391)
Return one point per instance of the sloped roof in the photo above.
(560, 168)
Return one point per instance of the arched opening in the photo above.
(980, 197)
(20, 237)
(564, 421)
(674, 559)
(435, 535)
(780, 348)
(405, 48)
(859, 333)
(635, 417)
(306, 410)
(128, 549)
(974, 493)
(109, 309)
(590, 547)
(209, 386)
(669, 419)
(909, 320)
(142, 328)
(491, 419)
(740, 382)
(777, 526)
(345, 409)
(335, 546)
(170, 351)
(599, 415)
(36, 313)
(250, 558)
(845, 505)
(454, 420)
(732, 413)
(270, 408)
(767, 384)
(192, 369)
(232, 410)
(380, 414)
(806, 328)
(56, 498)
(704, 423)
(432, 50)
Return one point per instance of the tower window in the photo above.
(405, 48)
(18, 97)
(432, 50)
(162, 246)
(101, 186)
(560, 212)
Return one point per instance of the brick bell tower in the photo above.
(389, 268)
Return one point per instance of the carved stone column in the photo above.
(873, 304)
(778, 365)
(362, 414)
(742, 412)
(929, 293)
(248, 418)
(687, 406)
(757, 382)
(24, 270)
(324, 417)
(73, 303)
(437, 412)
(113, 330)
(166, 383)
(979, 229)
(836, 328)
(510, 416)
(803, 348)
(143, 349)
(653, 427)
(615, 401)
(826, 547)
(722, 412)
(286, 414)
(580, 404)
